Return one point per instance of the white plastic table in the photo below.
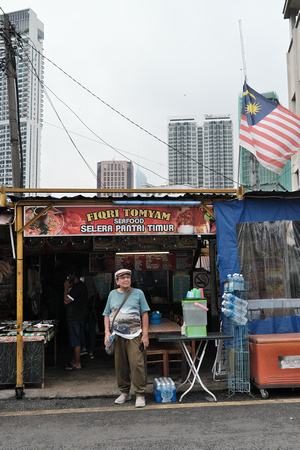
(194, 364)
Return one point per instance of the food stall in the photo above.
(161, 240)
(36, 335)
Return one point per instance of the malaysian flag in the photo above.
(269, 131)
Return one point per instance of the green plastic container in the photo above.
(199, 331)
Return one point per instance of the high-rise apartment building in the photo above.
(217, 151)
(201, 155)
(30, 73)
(254, 176)
(183, 151)
(114, 175)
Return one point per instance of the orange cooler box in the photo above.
(275, 360)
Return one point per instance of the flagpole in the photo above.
(245, 77)
(243, 51)
(238, 180)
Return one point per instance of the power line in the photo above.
(134, 123)
(33, 71)
(70, 137)
(78, 117)
(102, 140)
(97, 141)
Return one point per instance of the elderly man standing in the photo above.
(131, 336)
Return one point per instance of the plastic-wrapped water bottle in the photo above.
(240, 310)
(173, 390)
(239, 319)
(163, 392)
(168, 390)
(230, 283)
(236, 282)
(157, 390)
(227, 312)
(228, 297)
(241, 302)
(227, 304)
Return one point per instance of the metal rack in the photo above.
(237, 353)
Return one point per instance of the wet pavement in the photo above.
(97, 377)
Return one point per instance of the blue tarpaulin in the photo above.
(230, 213)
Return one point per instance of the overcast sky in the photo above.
(149, 60)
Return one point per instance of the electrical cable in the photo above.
(97, 141)
(68, 134)
(102, 140)
(134, 123)
(33, 71)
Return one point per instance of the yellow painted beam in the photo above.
(19, 382)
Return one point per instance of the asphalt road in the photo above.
(240, 422)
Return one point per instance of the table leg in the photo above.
(195, 370)
(190, 361)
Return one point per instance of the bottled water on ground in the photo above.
(164, 390)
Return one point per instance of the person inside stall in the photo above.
(75, 300)
(91, 318)
(130, 328)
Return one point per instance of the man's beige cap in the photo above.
(121, 272)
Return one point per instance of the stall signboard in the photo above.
(171, 261)
(144, 242)
(117, 220)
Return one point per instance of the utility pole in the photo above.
(11, 75)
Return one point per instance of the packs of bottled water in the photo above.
(234, 282)
(234, 307)
(164, 390)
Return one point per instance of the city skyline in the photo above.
(147, 77)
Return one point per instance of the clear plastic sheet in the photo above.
(269, 255)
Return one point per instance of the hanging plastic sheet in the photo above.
(261, 239)
(270, 260)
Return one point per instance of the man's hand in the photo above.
(145, 341)
(67, 284)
